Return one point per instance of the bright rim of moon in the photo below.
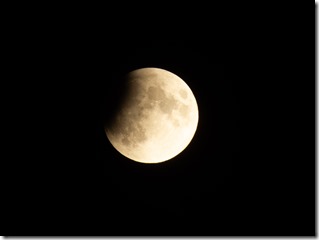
(158, 119)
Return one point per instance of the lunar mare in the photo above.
(157, 119)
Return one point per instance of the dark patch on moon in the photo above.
(168, 104)
(157, 94)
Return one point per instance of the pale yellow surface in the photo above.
(159, 118)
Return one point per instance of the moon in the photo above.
(157, 118)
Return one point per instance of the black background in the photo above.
(245, 173)
(172, 196)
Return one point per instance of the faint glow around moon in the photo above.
(158, 119)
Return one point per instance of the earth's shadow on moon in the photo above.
(113, 101)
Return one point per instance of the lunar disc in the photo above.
(157, 119)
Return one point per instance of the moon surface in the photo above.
(157, 119)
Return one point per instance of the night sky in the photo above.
(233, 179)
(180, 195)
